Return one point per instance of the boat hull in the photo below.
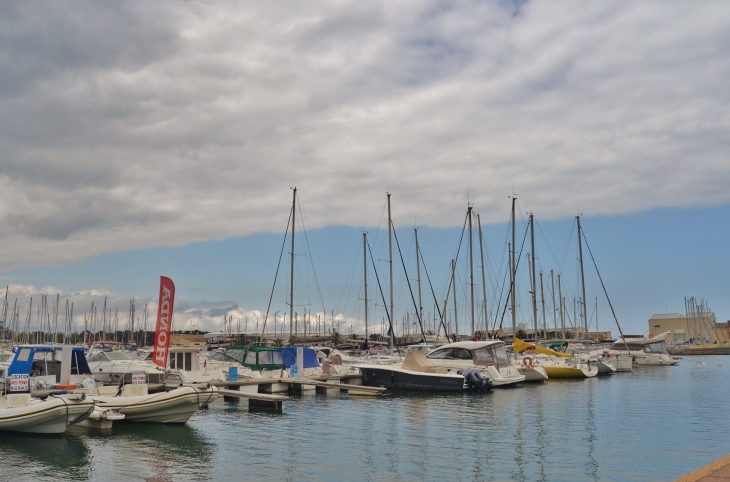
(394, 379)
(175, 406)
(50, 416)
(569, 372)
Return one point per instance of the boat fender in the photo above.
(527, 361)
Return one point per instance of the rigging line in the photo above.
(311, 259)
(438, 308)
(276, 275)
(390, 322)
(519, 257)
(458, 250)
(550, 249)
(604, 288)
(415, 306)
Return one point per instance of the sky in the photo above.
(142, 139)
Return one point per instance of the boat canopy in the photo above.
(23, 362)
(289, 355)
(416, 361)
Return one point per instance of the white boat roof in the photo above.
(644, 341)
(471, 345)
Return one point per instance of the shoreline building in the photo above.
(692, 328)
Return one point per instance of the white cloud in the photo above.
(165, 123)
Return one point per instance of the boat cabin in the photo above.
(43, 365)
(490, 353)
(257, 358)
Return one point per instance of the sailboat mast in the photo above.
(512, 272)
(390, 263)
(552, 290)
(532, 268)
(453, 283)
(484, 285)
(562, 306)
(542, 298)
(365, 272)
(471, 269)
(582, 281)
(291, 277)
(418, 273)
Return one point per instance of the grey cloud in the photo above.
(148, 123)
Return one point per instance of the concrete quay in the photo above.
(717, 471)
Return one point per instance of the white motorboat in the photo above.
(110, 367)
(530, 368)
(20, 412)
(489, 357)
(645, 351)
(138, 405)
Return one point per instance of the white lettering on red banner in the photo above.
(164, 321)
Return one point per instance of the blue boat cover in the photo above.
(23, 362)
(289, 354)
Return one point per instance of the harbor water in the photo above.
(655, 424)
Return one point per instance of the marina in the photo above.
(559, 430)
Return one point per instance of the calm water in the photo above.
(654, 424)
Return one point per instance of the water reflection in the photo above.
(39, 456)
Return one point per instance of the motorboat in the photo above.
(51, 367)
(20, 412)
(37, 369)
(417, 372)
(645, 351)
(264, 362)
(110, 367)
(138, 405)
(488, 357)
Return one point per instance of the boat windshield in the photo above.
(270, 358)
(450, 354)
(116, 355)
(492, 355)
(657, 347)
(221, 357)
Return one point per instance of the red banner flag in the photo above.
(164, 321)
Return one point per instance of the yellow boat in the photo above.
(555, 363)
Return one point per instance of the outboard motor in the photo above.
(475, 380)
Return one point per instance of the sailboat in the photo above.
(556, 364)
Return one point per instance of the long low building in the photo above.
(689, 329)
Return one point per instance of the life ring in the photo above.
(527, 361)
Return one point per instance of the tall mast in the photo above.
(582, 281)
(562, 309)
(552, 284)
(542, 297)
(471, 270)
(532, 268)
(291, 277)
(390, 263)
(512, 272)
(484, 284)
(365, 271)
(418, 273)
(456, 319)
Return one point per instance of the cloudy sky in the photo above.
(149, 138)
